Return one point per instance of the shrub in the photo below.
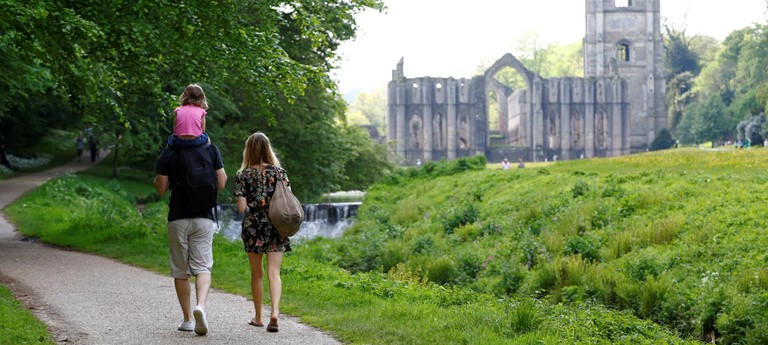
(580, 189)
(581, 246)
(543, 280)
(662, 141)
(461, 214)
(524, 317)
(443, 271)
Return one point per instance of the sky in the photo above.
(451, 38)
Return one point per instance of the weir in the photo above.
(323, 220)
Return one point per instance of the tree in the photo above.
(704, 121)
(662, 141)
(679, 56)
(373, 106)
(120, 66)
(679, 95)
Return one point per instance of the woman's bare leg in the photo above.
(274, 261)
(257, 285)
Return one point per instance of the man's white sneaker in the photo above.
(201, 324)
(187, 326)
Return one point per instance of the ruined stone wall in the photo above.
(436, 118)
(565, 118)
(616, 109)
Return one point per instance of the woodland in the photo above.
(118, 67)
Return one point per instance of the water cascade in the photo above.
(325, 220)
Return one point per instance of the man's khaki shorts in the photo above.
(191, 246)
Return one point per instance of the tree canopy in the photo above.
(119, 66)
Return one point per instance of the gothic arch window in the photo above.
(577, 131)
(623, 3)
(553, 129)
(416, 130)
(623, 52)
(440, 132)
(600, 130)
(463, 130)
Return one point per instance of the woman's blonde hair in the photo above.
(194, 94)
(258, 150)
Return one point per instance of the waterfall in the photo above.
(325, 220)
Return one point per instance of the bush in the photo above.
(662, 141)
(442, 271)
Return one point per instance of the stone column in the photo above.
(450, 93)
(589, 118)
(427, 99)
(392, 112)
(565, 118)
(401, 132)
(617, 137)
(537, 117)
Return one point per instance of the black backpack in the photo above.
(197, 184)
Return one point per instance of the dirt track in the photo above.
(88, 299)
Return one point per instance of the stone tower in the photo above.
(624, 40)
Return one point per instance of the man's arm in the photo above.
(162, 184)
(221, 177)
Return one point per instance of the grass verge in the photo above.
(17, 324)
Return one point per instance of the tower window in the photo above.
(622, 52)
(623, 3)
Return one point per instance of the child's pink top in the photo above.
(189, 120)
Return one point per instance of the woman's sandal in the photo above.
(254, 324)
(272, 327)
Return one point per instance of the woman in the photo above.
(254, 186)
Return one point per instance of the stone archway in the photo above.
(507, 61)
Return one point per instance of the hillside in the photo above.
(676, 237)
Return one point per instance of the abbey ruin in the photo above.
(617, 108)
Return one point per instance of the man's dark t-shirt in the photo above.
(168, 164)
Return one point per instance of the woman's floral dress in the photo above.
(257, 187)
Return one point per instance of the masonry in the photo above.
(616, 109)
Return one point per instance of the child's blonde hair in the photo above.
(257, 150)
(193, 94)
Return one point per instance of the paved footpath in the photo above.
(89, 299)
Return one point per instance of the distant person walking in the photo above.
(189, 122)
(93, 147)
(505, 164)
(79, 146)
(190, 233)
(3, 157)
(254, 186)
(520, 163)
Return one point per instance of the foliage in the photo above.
(18, 325)
(373, 107)
(680, 58)
(736, 76)
(704, 121)
(119, 67)
(553, 60)
(662, 141)
(679, 96)
(651, 234)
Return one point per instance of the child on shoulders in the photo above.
(189, 122)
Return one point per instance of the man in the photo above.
(190, 234)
